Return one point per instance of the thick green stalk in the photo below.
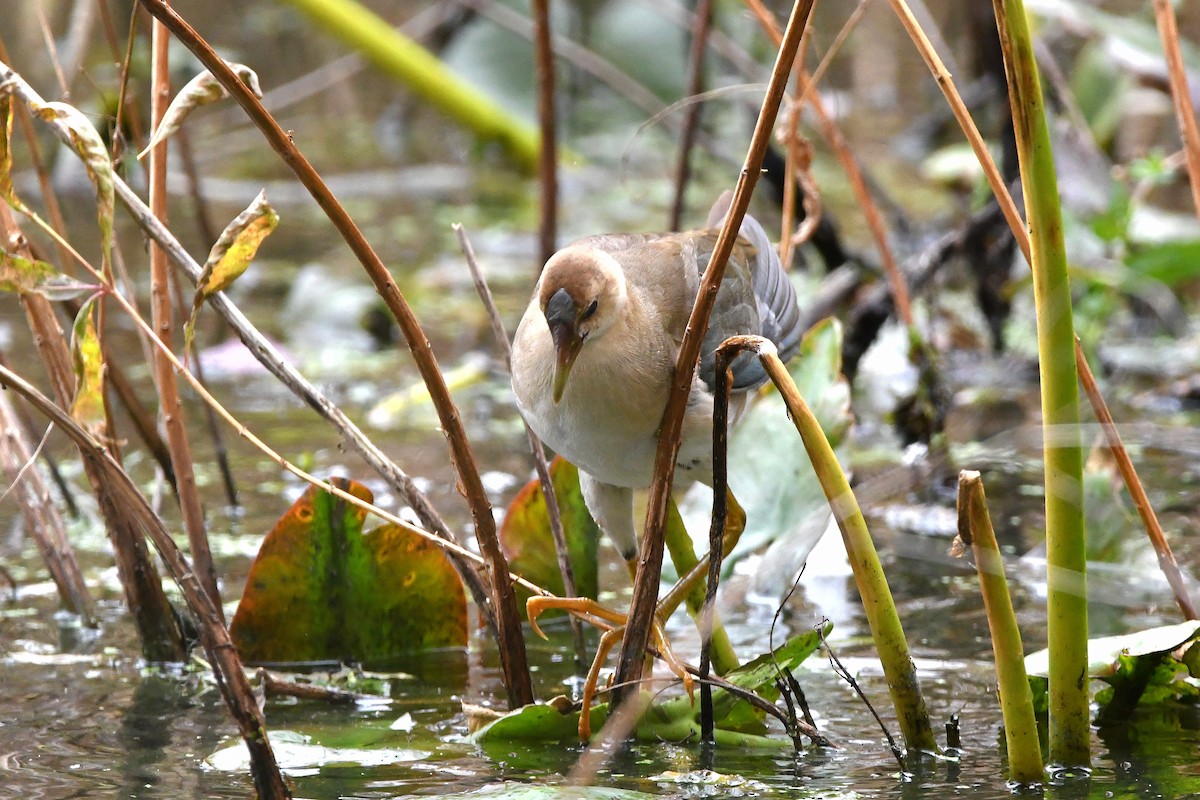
(886, 630)
(405, 60)
(1066, 560)
(1016, 700)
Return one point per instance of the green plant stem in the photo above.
(882, 618)
(403, 59)
(683, 556)
(1066, 556)
(1016, 700)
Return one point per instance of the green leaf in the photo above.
(321, 590)
(677, 719)
(1172, 263)
(527, 541)
(297, 755)
(87, 407)
(21, 275)
(91, 149)
(1104, 653)
(199, 91)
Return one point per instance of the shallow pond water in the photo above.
(80, 716)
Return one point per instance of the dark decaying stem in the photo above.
(645, 591)
(691, 117)
(160, 306)
(227, 668)
(535, 448)
(514, 664)
(548, 155)
(716, 531)
(844, 674)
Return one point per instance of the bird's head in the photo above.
(581, 293)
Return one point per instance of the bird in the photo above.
(593, 357)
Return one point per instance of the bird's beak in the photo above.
(567, 342)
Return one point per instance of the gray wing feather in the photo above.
(775, 314)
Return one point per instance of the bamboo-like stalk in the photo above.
(548, 152)
(645, 585)
(884, 622)
(406, 61)
(513, 660)
(1016, 700)
(1009, 209)
(1185, 114)
(1066, 555)
(227, 667)
(160, 306)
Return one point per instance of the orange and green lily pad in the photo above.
(529, 545)
(322, 590)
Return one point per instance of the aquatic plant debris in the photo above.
(322, 590)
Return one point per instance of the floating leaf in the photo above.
(297, 755)
(321, 590)
(87, 408)
(1138, 666)
(235, 248)
(199, 91)
(527, 541)
(677, 719)
(21, 275)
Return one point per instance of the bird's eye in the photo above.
(591, 309)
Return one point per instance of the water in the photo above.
(86, 719)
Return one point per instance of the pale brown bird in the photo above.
(595, 351)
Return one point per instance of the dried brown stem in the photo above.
(858, 183)
(42, 520)
(691, 117)
(227, 668)
(160, 305)
(1166, 558)
(645, 588)
(275, 686)
(548, 156)
(1185, 114)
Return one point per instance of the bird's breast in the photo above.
(607, 420)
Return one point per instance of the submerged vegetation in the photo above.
(929, 354)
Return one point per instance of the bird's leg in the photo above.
(613, 623)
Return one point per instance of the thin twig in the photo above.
(273, 685)
(840, 669)
(535, 446)
(691, 118)
(716, 531)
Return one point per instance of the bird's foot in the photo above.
(613, 625)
